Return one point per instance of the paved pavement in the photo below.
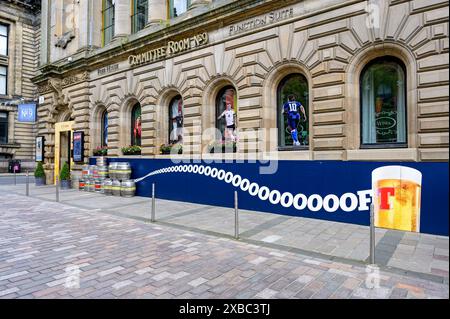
(54, 250)
(426, 256)
(8, 179)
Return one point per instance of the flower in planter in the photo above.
(171, 149)
(101, 151)
(131, 150)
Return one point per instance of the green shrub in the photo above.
(39, 171)
(65, 173)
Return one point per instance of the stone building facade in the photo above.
(332, 53)
(19, 53)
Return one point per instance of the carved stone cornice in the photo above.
(56, 84)
(73, 79)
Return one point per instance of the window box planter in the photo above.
(131, 150)
(171, 149)
(101, 151)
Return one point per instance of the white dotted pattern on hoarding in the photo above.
(347, 202)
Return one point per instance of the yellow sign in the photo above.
(60, 127)
(172, 47)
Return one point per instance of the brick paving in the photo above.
(45, 246)
(420, 253)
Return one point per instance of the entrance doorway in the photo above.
(63, 146)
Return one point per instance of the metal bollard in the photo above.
(57, 189)
(152, 218)
(15, 177)
(27, 189)
(372, 236)
(236, 216)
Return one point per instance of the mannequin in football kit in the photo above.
(230, 118)
(292, 109)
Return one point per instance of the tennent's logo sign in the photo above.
(397, 196)
(172, 48)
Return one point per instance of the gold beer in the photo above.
(397, 200)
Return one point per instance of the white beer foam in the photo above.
(396, 172)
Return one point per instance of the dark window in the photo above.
(176, 119)
(3, 127)
(178, 7)
(3, 39)
(383, 103)
(3, 80)
(139, 16)
(107, 21)
(294, 86)
(136, 125)
(105, 128)
(226, 113)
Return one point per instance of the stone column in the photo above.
(122, 18)
(157, 11)
(84, 27)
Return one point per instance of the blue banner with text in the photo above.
(410, 196)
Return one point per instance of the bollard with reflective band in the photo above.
(372, 236)
(27, 189)
(57, 189)
(152, 218)
(236, 216)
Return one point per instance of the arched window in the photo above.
(139, 15)
(293, 110)
(136, 125)
(176, 119)
(104, 130)
(226, 112)
(383, 103)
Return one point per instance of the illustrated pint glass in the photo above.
(396, 197)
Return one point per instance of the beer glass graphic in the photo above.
(396, 197)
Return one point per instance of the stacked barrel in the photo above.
(121, 185)
(95, 178)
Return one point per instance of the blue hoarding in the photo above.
(27, 113)
(329, 190)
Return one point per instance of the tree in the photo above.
(39, 171)
(65, 173)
